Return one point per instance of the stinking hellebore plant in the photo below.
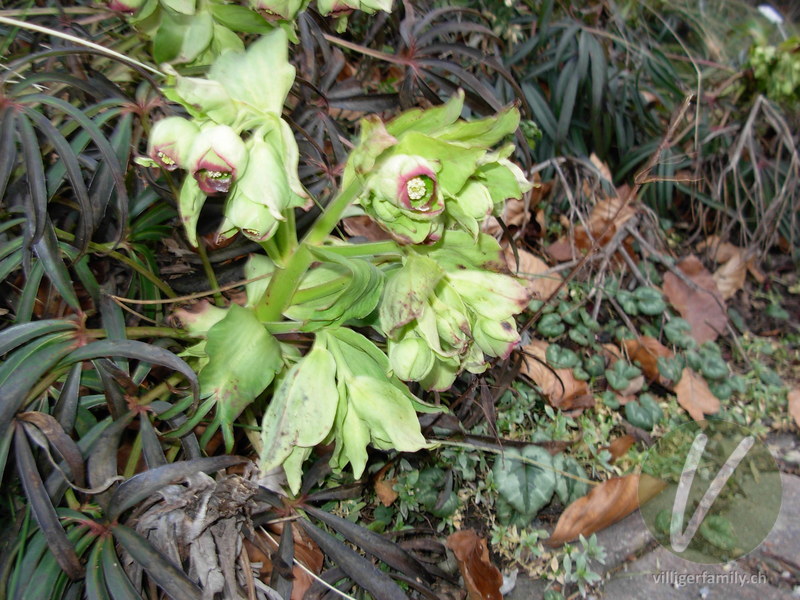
(429, 303)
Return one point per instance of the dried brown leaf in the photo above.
(540, 284)
(482, 579)
(364, 226)
(694, 395)
(604, 505)
(559, 386)
(646, 351)
(703, 308)
(620, 446)
(794, 404)
(385, 489)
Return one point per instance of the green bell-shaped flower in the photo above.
(279, 10)
(344, 7)
(217, 158)
(171, 142)
(267, 187)
(495, 338)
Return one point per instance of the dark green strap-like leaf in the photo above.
(49, 253)
(29, 295)
(8, 123)
(102, 186)
(103, 145)
(151, 447)
(138, 351)
(95, 580)
(102, 464)
(66, 408)
(43, 510)
(171, 579)
(73, 170)
(360, 570)
(58, 438)
(117, 581)
(19, 334)
(140, 486)
(36, 201)
(377, 545)
(282, 562)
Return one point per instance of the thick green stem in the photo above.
(368, 249)
(284, 282)
(135, 333)
(208, 269)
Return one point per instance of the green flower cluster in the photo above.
(777, 70)
(198, 31)
(236, 142)
(444, 312)
(428, 171)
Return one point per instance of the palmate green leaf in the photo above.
(43, 510)
(302, 409)
(243, 360)
(168, 576)
(527, 487)
(102, 468)
(47, 249)
(58, 439)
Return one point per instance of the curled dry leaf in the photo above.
(646, 351)
(694, 395)
(559, 386)
(364, 226)
(794, 404)
(540, 284)
(704, 307)
(604, 505)
(305, 551)
(385, 489)
(482, 579)
(620, 446)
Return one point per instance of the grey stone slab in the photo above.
(660, 575)
(527, 589)
(784, 539)
(623, 541)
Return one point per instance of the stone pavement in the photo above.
(637, 568)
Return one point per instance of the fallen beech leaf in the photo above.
(305, 550)
(364, 226)
(559, 386)
(385, 489)
(794, 405)
(703, 308)
(540, 284)
(620, 446)
(602, 167)
(694, 395)
(730, 277)
(481, 578)
(604, 505)
(646, 351)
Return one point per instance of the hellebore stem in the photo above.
(285, 280)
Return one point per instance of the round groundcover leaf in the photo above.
(302, 410)
(525, 486)
(243, 359)
(569, 489)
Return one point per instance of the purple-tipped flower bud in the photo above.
(171, 141)
(218, 157)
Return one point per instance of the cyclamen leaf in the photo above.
(527, 487)
(302, 410)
